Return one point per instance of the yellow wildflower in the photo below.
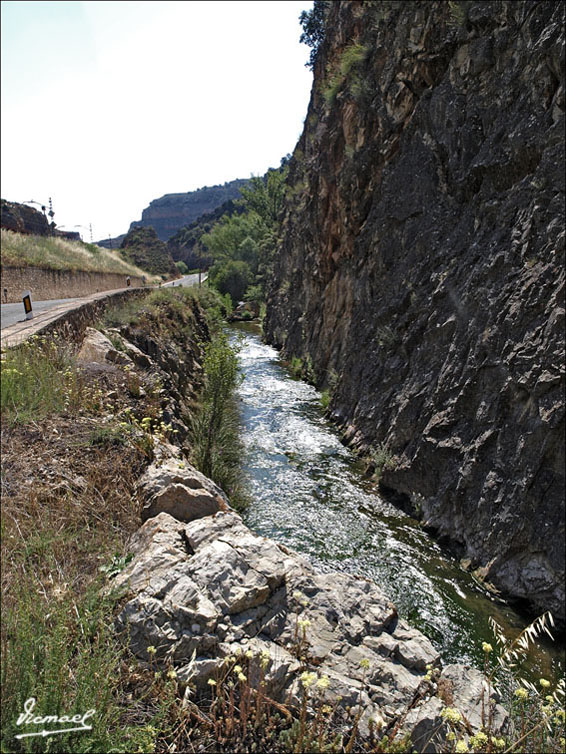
(307, 679)
(451, 715)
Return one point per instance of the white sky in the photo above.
(108, 105)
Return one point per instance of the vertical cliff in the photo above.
(422, 261)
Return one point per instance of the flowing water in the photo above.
(308, 491)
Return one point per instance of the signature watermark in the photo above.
(77, 722)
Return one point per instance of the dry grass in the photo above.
(51, 253)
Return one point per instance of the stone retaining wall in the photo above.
(72, 324)
(51, 284)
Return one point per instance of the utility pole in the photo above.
(90, 229)
(51, 215)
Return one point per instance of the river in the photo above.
(308, 492)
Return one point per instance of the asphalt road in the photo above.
(186, 281)
(12, 313)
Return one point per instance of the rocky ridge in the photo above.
(422, 261)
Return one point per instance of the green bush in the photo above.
(254, 293)
(182, 267)
(38, 379)
(232, 277)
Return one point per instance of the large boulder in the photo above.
(96, 347)
(175, 487)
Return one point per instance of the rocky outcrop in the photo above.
(171, 212)
(422, 261)
(245, 311)
(175, 487)
(205, 591)
(23, 219)
(96, 347)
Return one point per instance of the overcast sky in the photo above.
(108, 105)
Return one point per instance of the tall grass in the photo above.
(54, 253)
(38, 379)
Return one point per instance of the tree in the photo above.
(182, 267)
(313, 23)
(233, 277)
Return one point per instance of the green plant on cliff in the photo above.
(458, 12)
(351, 58)
(381, 459)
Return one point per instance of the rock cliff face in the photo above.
(171, 212)
(422, 261)
(23, 219)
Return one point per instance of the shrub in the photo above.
(381, 459)
(232, 277)
(254, 293)
(352, 56)
(217, 446)
(182, 267)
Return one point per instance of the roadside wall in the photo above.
(73, 323)
(50, 284)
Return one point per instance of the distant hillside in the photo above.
(23, 219)
(172, 211)
(142, 247)
(185, 246)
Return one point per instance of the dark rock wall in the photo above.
(23, 219)
(422, 260)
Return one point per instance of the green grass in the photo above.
(53, 253)
(351, 58)
(38, 379)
